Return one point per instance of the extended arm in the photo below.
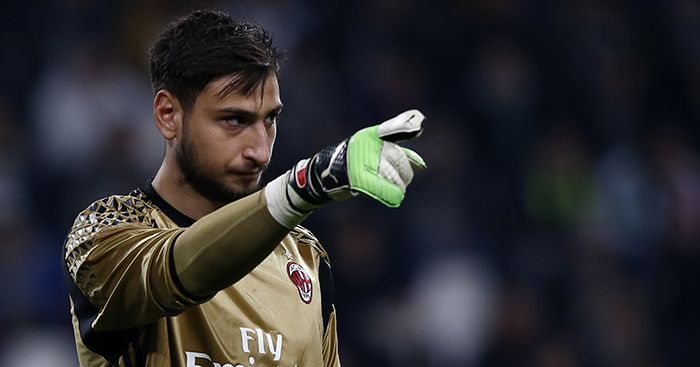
(225, 245)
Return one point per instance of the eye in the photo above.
(232, 120)
(271, 119)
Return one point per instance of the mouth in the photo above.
(247, 175)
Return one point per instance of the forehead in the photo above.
(264, 97)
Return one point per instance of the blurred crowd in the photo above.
(558, 223)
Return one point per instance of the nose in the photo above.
(258, 147)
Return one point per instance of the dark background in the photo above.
(558, 224)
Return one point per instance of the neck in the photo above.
(171, 185)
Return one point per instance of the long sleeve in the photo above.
(133, 271)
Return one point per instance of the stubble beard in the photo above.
(210, 187)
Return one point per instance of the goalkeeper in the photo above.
(202, 267)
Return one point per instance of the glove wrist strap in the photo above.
(281, 202)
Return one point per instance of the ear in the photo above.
(168, 114)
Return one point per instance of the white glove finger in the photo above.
(406, 125)
(392, 155)
(391, 174)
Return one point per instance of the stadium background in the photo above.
(558, 224)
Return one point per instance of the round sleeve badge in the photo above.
(301, 280)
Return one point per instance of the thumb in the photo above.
(407, 125)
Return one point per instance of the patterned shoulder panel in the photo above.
(104, 213)
(303, 236)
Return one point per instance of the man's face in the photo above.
(226, 142)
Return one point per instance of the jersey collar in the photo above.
(177, 216)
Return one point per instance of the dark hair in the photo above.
(205, 45)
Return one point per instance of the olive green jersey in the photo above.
(129, 308)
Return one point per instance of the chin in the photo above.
(241, 185)
(245, 187)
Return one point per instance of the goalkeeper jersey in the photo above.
(129, 309)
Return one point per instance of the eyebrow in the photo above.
(246, 113)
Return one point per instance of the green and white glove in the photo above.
(369, 162)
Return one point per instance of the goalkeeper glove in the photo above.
(369, 162)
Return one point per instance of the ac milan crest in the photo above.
(301, 280)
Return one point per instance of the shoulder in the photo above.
(107, 212)
(303, 236)
(116, 209)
